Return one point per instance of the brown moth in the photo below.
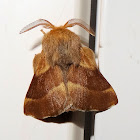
(66, 77)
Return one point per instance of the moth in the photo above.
(66, 77)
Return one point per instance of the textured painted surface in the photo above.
(120, 63)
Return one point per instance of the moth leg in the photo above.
(42, 31)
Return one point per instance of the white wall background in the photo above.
(120, 64)
(16, 65)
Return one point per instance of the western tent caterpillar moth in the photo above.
(66, 77)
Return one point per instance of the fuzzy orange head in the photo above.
(60, 46)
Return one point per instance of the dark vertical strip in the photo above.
(93, 23)
(90, 116)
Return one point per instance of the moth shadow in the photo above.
(36, 44)
(72, 117)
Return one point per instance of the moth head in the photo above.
(59, 36)
(48, 25)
